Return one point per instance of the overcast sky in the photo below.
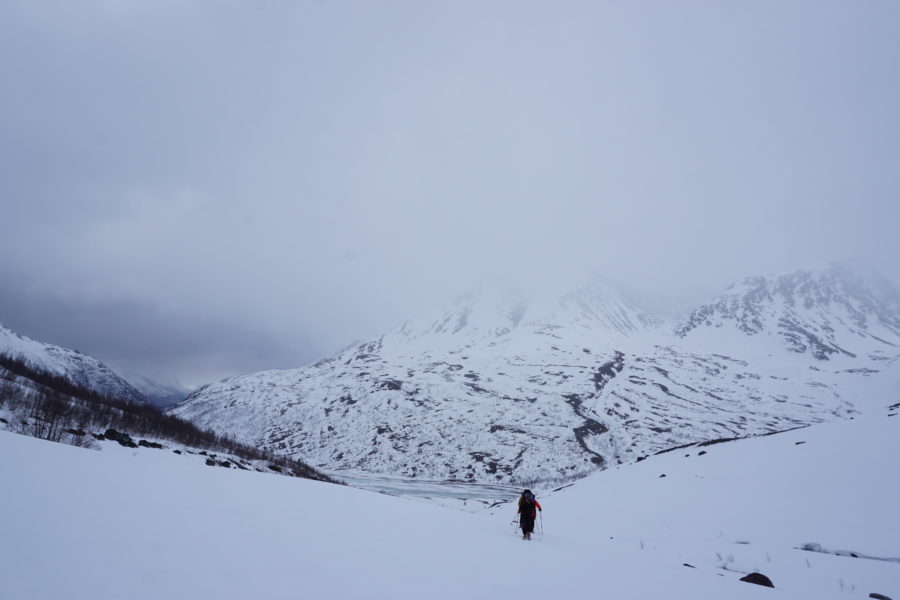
(195, 189)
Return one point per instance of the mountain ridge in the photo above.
(81, 369)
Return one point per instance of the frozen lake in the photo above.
(469, 496)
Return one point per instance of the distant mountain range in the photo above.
(507, 387)
(159, 394)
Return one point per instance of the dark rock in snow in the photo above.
(878, 596)
(389, 384)
(663, 475)
(811, 547)
(123, 438)
(146, 444)
(758, 579)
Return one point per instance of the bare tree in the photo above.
(9, 392)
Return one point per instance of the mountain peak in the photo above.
(821, 312)
(496, 310)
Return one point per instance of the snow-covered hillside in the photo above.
(813, 509)
(511, 388)
(458, 397)
(80, 369)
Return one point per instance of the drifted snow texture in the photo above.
(149, 525)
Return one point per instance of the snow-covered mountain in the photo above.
(80, 369)
(832, 313)
(508, 387)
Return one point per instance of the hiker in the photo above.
(528, 507)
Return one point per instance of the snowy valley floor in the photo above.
(119, 523)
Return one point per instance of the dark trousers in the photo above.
(526, 522)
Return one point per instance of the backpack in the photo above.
(526, 502)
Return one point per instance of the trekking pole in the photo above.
(540, 512)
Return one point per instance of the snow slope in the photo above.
(507, 388)
(82, 370)
(87, 524)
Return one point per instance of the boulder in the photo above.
(758, 579)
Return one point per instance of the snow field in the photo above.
(120, 523)
(748, 505)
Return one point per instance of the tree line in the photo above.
(52, 407)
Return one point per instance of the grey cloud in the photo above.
(299, 175)
(137, 337)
